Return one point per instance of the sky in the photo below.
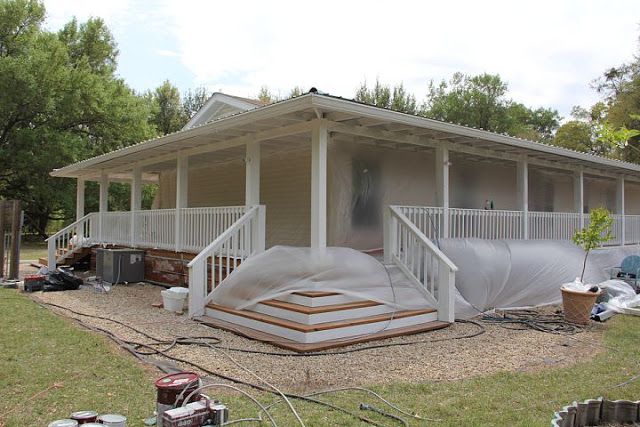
(548, 52)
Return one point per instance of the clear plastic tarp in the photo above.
(282, 270)
(521, 273)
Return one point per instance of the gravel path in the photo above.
(499, 349)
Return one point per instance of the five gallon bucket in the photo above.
(175, 299)
(173, 389)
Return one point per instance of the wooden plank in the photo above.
(321, 309)
(2, 226)
(321, 326)
(16, 228)
(325, 345)
(316, 294)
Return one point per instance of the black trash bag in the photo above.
(61, 280)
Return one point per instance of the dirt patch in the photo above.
(499, 349)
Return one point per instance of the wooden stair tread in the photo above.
(315, 294)
(321, 309)
(320, 326)
(324, 345)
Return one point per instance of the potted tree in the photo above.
(577, 304)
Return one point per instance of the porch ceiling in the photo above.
(288, 123)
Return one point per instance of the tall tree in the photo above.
(481, 101)
(194, 100)
(383, 96)
(61, 102)
(168, 114)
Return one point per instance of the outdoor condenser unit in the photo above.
(120, 265)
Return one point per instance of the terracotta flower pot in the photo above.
(577, 305)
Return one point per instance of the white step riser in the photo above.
(317, 301)
(314, 319)
(320, 336)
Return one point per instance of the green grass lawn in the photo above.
(49, 367)
(33, 250)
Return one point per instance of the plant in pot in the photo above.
(577, 300)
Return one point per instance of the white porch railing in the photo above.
(146, 228)
(421, 261)
(500, 224)
(243, 239)
(71, 238)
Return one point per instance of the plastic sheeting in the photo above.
(282, 270)
(520, 273)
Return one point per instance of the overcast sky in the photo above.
(548, 51)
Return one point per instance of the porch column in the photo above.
(103, 205)
(79, 199)
(182, 190)
(442, 187)
(136, 200)
(319, 140)
(523, 194)
(620, 207)
(578, 194)
(252, 175)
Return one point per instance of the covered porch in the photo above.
(318, 171)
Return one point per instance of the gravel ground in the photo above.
(499, 349)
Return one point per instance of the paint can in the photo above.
(64, 423)
(113, 420)
(172, 389)
(93, 425)
(84, 417)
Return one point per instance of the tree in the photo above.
(168, 114)
(595, 234)
(384, 96)
(194, 100)
(574, 135)
(481, 102)
(61, 102)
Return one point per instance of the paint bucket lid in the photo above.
(177, 381)
(64, 423)
(112, 418)
(84, 415)
(92, 425)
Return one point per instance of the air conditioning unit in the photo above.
(120, 265)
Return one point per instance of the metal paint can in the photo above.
(64, 423)
(171, 387)
(84, 417)
(93, 425)
(113, 420)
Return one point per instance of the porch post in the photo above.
(182, 189)
(319, 140)
(136, 200)
(620, 208)
(442, 187)
(79, 198)
(104, 203)
(523, 194)
(252, 174)
(578, 194)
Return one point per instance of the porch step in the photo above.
(317, 298)
(331, 330)
(318, 346)
(321, 314)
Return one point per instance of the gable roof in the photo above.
(293, 117)
(221, 105)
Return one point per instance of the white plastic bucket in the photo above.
(179, 291)
(173, 301)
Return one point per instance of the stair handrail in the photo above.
(402, 240)
(62, 238)
(243, 239)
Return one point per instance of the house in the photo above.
(320, 171)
